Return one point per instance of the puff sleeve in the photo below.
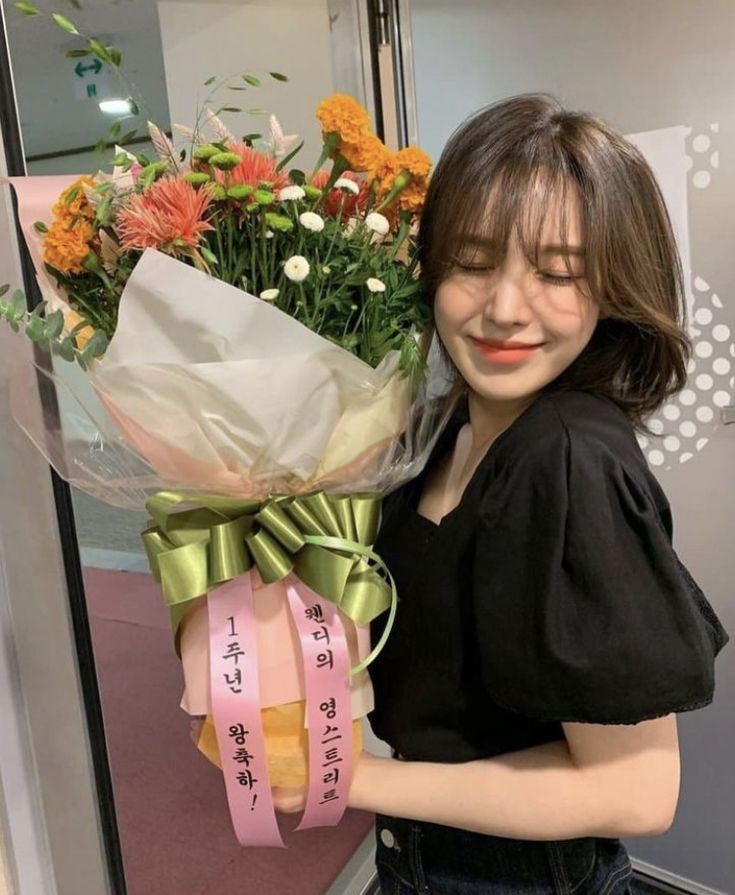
(583, 610)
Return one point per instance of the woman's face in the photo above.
(483, 301)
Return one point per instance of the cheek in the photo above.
(452, 308)
(570, 316)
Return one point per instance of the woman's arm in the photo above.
(604, 780)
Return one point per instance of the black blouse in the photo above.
(550, 593)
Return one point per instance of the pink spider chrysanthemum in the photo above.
(254, 167)
(168, 216)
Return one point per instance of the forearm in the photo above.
(537, 793)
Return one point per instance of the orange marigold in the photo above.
(343, 115)
(367, 154)
(414, 160)
(67, 244)
(78, 205)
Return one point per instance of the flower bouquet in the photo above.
(255, 340)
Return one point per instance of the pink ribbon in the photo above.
(328, 705)
(236, 711)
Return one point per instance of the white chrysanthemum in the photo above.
(296, 268)
(326, 271)
(269, 294)
(343, 183)
(291, 192)
(377, 222)
(312, 221)
(269, 234)
(375, 285)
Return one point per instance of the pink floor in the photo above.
(170, 802)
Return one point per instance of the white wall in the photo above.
(201, 40)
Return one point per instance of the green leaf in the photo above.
(67, 349)
(143, 159)
(64, 23)
(27, 9)
(252, 80)
(40, 227)
(99, 50)
(278, 76)
(18, 305)
(235, 87)
(134, 109)
(210, 80)
(115, 130)
(71, 195)
(209, 256)
(296, 176)
(97, 344)
(54, 325)
(4, 289)
(284, 161)
(100, 146)
(76, 54)
(230, 109)
(249, 138)
(126, 138)
(115, 56)
(257, 111)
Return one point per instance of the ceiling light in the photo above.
(116, 106)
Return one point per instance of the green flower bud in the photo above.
(218, 192)
(205, 152)
(225, 161)
(312, 192)
(278, 221)
(196, 178)
(264, 197)
(240, 191)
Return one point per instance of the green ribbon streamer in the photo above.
(325, 539)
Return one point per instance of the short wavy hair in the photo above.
(639, 351)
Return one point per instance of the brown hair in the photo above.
(527, 149)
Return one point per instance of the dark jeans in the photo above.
(430, 859)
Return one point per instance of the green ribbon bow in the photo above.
(324, 539)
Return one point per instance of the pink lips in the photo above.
(508, 352)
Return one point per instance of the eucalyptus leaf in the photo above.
(210, 80)
(76, 54)
(278, 76)
(252, 80)
(54, 325)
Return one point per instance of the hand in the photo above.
(289, 799)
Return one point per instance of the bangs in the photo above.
(517, 199)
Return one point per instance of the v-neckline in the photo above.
(461, 416)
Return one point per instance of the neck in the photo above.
(489, 417)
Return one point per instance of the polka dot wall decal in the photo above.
(701, 179)
(714, 160)
(715, 128)
(721, 332)
(701, 143)
(687, 420)
(656, 458)
(688, 163)
(721, 366)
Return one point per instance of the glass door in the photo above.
(127, 803)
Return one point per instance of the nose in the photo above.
(506, 302)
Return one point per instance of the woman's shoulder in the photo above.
(571, 431)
